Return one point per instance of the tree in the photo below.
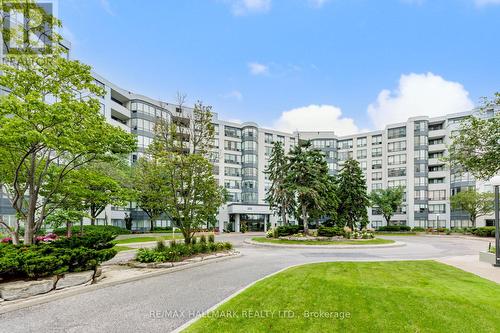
(190, 192)
(352, 195)
(279, 196)
(102, 184)
(66, 217)
(50, 125)
(306, 178)
(476, 204)
(388, 201)
(191, 195)
(149, 184)
(476, 145)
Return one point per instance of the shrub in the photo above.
(179, 251)
(90, 228)
(173, 243)
(203, 239)
(418, 229)
(193, 241)
(394, 228)
(74, 254)
(211, 238)
(330, 231)
(160, 245)
(484, 231)
(287, 230)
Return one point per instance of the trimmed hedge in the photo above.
(484, 231)
(179, 251)
(287, 230)
(394, 228)
(90, 228)
(74, 254)
(330, 231)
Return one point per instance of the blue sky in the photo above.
(345, 65)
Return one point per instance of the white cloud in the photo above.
(234, 94)
(258, 69)
(244, 7)
(482, 3)
(417, 95)
(316, 118)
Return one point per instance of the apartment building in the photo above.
(405, 154)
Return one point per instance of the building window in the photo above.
(234, 172)
(376, 164)
(420, 126)
(376, 140)
(249, 132)
(377, 152)
(396, 159)
(396, 146)
(421, 155)
(268, 138)
(437, 195)
(436, 180)
(421, 140)
(232, 132)
(376, 175)
(232, 159)
(420, 181)
(420, 167)
(345, 144)
(249, 145)
(376, 186)
(420, 195)
(396, 183)
(420, 208)
(436, 141)
(232, 145)
(361, 142)
(281, 139)
(436, 155)
(437, 168)
(363, 165)
(361, 154)
(437, 209)
(395, 133)
(396, 172)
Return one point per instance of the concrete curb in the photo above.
(481, 239)
(337, 247)
(64, 293)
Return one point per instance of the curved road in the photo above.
(163, 303)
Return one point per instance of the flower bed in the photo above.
(324, 234)
(176, 252)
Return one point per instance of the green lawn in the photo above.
(145, 239)
(407, 296)
(122, 248)
(492, 249)
(311, 242)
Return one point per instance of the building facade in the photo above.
(408, 154)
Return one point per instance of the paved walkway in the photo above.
(145, 305)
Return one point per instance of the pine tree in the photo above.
(352, 195)
(279, 196)
(307, 178)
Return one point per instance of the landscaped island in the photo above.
(409, 296)
(292, 234)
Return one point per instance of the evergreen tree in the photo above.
(307, 179)
(352, 195)
(279, 196)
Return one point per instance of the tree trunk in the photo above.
(473, 220)
(304, 219)
(151, 225)
(92, 220)
(69, 229)
(283, 217)
(187, 237)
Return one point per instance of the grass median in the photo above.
(407, 296)
(145, 239)
(314, 242)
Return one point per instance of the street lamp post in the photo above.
(495, 181)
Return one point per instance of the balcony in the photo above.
(437, 134)
(120, 109)
(437, 147)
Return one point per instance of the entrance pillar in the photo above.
(265, 222)
(237, 222)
